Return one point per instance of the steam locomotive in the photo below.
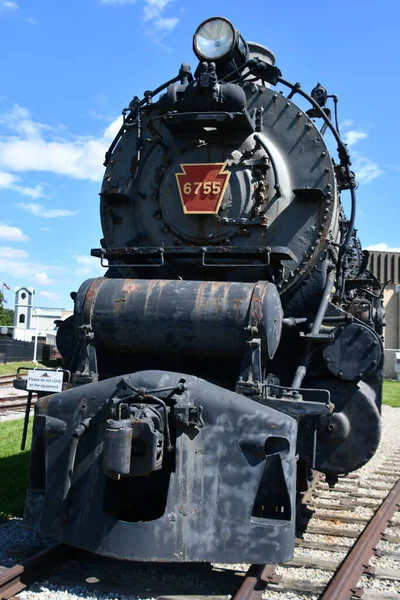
(235, 341)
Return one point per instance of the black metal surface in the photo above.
(357, 350)
(215, 498)
(162, 316)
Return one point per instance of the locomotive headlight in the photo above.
(214, 39)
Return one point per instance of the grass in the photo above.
(13, 468)
(391, 393)
(11, 367)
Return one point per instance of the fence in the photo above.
(15, 350)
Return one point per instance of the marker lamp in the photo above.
(214, 39)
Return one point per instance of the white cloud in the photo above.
(9, 181)
(50, 295)
(30, 145)
(118, 1)
(12, 234)
(366, 170)
(158, 26)
(353, 136)
(42, 279)
(153, 8)
(166, 25)
(89, 265)
(7, 6)
(382, 247)
(7, 253)
(38, 210)
(17, 263)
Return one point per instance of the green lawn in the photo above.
(391, 393)
(11, 367)
(13, 467)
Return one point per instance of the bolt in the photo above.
(341, 373)
(328, 360)
(299, 114)
(308, 125)
(361, 374)
(323, 154)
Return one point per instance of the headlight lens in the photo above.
(214, 39)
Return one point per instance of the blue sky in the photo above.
(69, 67)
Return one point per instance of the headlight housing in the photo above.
(214, 39)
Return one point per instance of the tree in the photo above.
(6, 314)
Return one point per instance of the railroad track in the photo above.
(6, 380)
(15, 402)
(11, 401)
(18, 577)
(352, 576)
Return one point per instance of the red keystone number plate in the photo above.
(201, 187)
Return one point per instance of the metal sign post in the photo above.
(26, 420)
(42, 381)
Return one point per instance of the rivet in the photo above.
(323, 154)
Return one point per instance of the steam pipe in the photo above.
(302, 368)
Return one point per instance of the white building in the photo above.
(30, 321)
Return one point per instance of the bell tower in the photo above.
(23, 307)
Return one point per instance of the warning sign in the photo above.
(40, 380)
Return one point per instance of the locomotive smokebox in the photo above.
(207, 319)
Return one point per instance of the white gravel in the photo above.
(48, 591)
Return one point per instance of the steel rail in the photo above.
(16, 405)
(13, 397)
(255, 582)
(343, 585)
(18, 577)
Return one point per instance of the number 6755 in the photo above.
(202, 187)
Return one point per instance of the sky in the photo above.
(68, 68)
